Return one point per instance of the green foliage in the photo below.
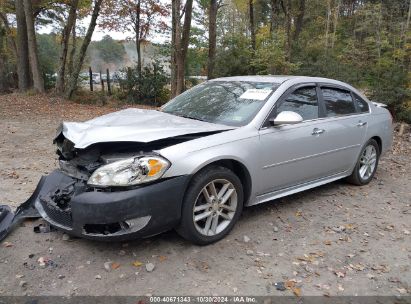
(150, 89)
(48, 52)
(110, 50)
(234, 56)
(366, 45)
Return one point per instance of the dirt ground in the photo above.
(338, 239)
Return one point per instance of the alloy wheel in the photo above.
(368, 162)
(215, 207)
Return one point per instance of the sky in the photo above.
(99, 33)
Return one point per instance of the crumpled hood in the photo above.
(133, 125)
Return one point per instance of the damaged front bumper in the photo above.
(69, 205)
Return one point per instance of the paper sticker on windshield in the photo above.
(256, 94)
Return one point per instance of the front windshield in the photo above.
(233, 103)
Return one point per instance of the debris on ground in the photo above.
(66, 237)
(280, 286)
(150, 267)
(107, 266)
(43, 228)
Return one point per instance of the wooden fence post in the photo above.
(108, 83)
(102, 82)
(90, 73)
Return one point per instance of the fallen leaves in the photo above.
(137, 264)
(339, 273)
(115, 266)
(289, 285)
(7, 244)
(381, 268)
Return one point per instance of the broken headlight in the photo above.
(129, 172)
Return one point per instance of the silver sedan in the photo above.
(218, 147)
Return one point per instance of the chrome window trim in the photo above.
(320, 103)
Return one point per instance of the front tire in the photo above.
(366, 165)
(212, 205)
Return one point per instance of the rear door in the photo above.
(324, 144)
(347, 121)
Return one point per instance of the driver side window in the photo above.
(302, 101)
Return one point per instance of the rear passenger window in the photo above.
(361, 104)
(302, 101)
(337, 102)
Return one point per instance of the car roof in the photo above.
(279, 79)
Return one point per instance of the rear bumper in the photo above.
(112, 216)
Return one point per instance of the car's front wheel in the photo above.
(212, 205)
(366, 165)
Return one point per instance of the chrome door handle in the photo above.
(317, 131)
(361, 123)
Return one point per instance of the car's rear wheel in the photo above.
(366, 165)
(212, 205)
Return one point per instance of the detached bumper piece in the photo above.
(9, 220)
(110, 215)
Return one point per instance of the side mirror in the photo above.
(286, 118)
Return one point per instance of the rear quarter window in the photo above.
(361, 104)
(337, 102)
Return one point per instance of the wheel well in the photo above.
(379, 142)
(241, 171)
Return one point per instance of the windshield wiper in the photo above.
(191, 117)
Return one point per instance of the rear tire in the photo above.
(212, 205)
(366, 165)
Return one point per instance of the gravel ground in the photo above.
(337, 239)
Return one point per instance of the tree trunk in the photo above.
(3, 79)
(175, 43)
(327, 25)
(138, 39)
(287, 43)
(252, 24)
(299, 21)
(336, 15)
(9, 34)
(23, 64)
(180, 41)
(72, 85)
(3, 73)
(212, 38)
(185, 40)
(274, 13)
(65, 37)
(73, 50)
(33, 54)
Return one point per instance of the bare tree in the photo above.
(23, 64)
(3, 85)
(299, 22)
(72, 84)
(33, 54)
(9, 33)
(252, 24)
(73, 50)
(212, 37)
(64, 46)
(286, 5)
(180, 39)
